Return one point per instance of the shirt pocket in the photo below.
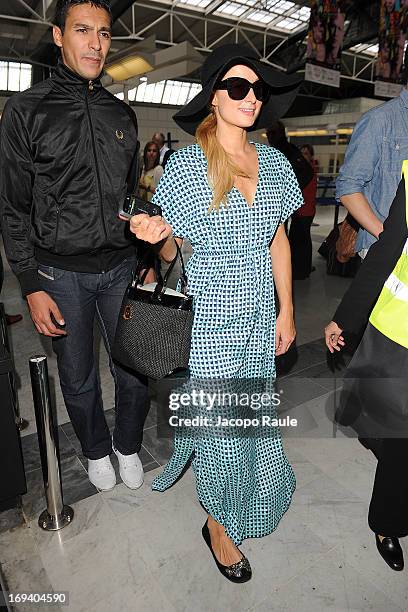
(394, 152)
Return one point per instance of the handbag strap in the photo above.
(145, 265)
(162, 282)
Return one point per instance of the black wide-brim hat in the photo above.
(283, 88)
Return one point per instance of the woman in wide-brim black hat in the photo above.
(230, 198)
(282, 89)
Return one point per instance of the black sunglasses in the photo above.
(238, 88)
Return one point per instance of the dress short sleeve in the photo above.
(292, 197)
(170, 199)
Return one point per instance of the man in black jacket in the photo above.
(68, 154)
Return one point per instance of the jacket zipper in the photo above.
(98, 177)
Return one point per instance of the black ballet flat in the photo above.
(391, 552)
(237, 572)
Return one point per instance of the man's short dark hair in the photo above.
(63, 7)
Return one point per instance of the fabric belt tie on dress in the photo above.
(231, 253)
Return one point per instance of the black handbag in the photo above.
(153, 333)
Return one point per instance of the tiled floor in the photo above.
(142, 551)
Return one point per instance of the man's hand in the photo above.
(285, 333)
(333, 337)
(41, 308)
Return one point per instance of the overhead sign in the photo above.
(391, 46)
(324, 42)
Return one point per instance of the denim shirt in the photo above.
(374, 157)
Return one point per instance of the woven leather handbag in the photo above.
(153, 334)
(346, 242)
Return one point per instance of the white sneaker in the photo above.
(101, 473)
(130, 469)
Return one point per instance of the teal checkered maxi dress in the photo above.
(244, 482)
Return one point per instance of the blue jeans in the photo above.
(82, 297)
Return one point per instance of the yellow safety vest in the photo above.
(390, 314)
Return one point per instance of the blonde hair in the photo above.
(221, 170)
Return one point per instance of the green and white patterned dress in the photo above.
(244, 481)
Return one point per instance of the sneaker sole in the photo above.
(99, 488)
(133, 488)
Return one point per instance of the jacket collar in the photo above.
(64, 78)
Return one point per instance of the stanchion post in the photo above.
(56, 516)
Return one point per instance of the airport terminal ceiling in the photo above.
(275, 28)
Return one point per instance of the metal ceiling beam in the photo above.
(203, 44)
(30, 10)
(225, 22)
(26, 20)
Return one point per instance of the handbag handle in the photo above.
(162, 282)
(143, 264)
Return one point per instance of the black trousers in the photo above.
(388, 513)
(301, 246)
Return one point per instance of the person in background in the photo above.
(152, 171)
(160, 139)
(369, 177)
(277, 138)
(299, 233)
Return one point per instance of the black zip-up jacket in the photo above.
(68, 156)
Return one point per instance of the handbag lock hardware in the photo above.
(127, 313)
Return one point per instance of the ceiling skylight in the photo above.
(260, 17)
(198, 4)
(175, 93)
(280, 6)
(232, 9)
(288, 24)
(280, 15)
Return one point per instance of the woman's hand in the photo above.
(334, 339)
(285, 333)
(150, 229)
